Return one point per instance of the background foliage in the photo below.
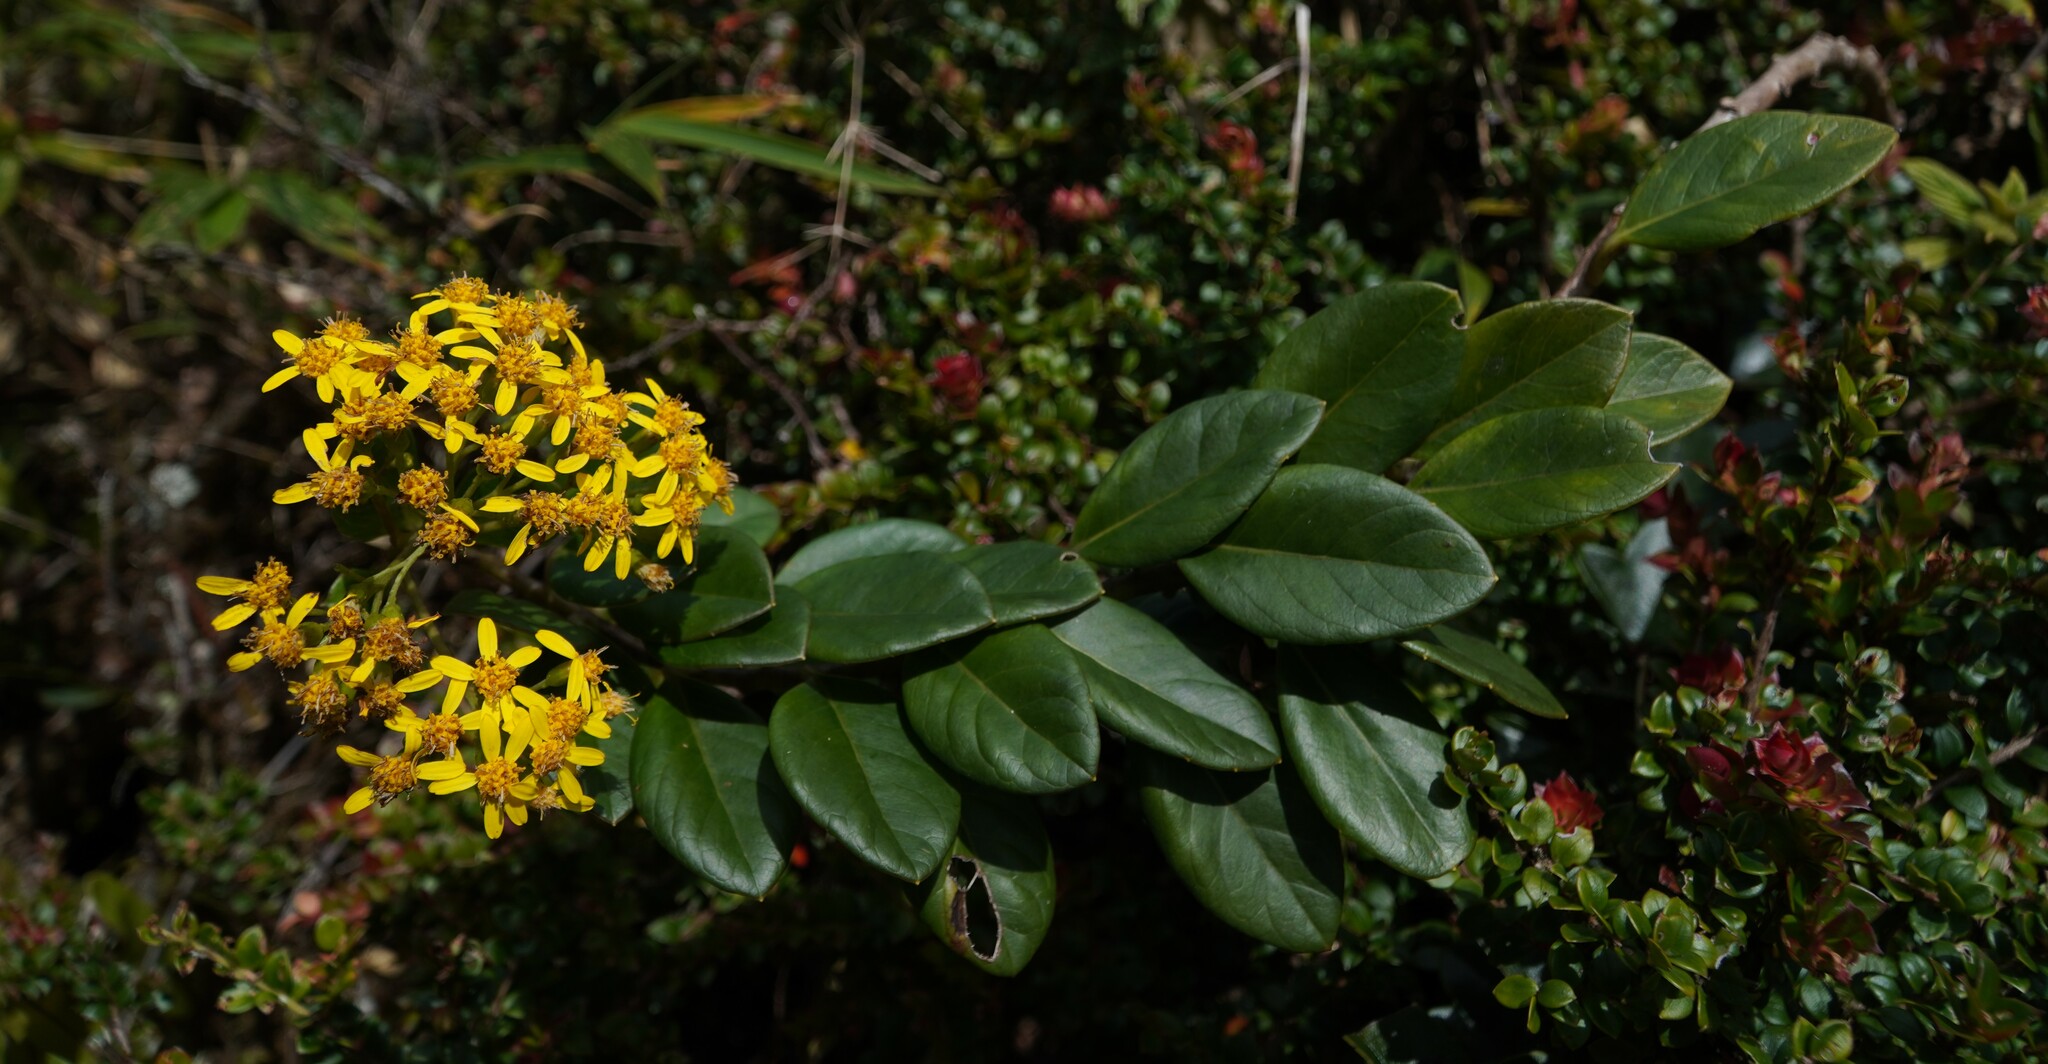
(1115, 242)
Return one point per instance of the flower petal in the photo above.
(454, 668)
(233, 616)
(553, 641)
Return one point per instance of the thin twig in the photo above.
(917, 93)
(1822, 51)
(1584, 275)
(1298, 139)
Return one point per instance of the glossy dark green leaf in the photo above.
(1719, 186)
(1541, 469)
(1187, 478)
(890, 535)
(599, 587)
(1027, 580)
(1667, 387)
(1336, 555)
(1250, 845)
(777, 637)
(1376, 769)
(1145, 683)
(610, 784)
(519, 615)
(1556, 352)
(703, 780)
(728, 585)
(845, 753)
(751, 514)
(1009, 709)
(1488, 666)
(1627, 583)
(1384, 360)
(872, 608)
(992, 900)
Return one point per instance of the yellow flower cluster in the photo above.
(466, 424)
(484, 381)
(526, 740)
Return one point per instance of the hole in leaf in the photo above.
(1070, 556)
(973, 918)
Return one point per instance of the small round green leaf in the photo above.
(1721, 185)
(1009, 710)
(842, 748)
(992, 900)
(877, 607)
(1541, 469)
(890, 535)
(1145, 683)
(777, 637)
(703, 780)
(1384, 360)
(1667, 387)
(727, 586)
(1555, 352)
(1250, 845)
(1488, 666)
(1189, 476)
(1335, 555)
(1375, 769)
(1027, 580)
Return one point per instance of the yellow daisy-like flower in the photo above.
(269, 589)
(682, 513)
(463, 295)
(545, 515)
(391, 639)
(520, 363)
(389, 776)
(495, 676)
(667, 415)
(327, 362)
(337, 484)
(280, 639)
(438, 734)
(504, 450)
(559, 319)
(448, 533)
(496, 778)
(608, 519)
(322, 701)
(587, 669)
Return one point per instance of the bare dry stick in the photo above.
(1822, 51)
(1298, 140)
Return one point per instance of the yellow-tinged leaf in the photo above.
(736, 108)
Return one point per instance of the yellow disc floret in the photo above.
(423, 487)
